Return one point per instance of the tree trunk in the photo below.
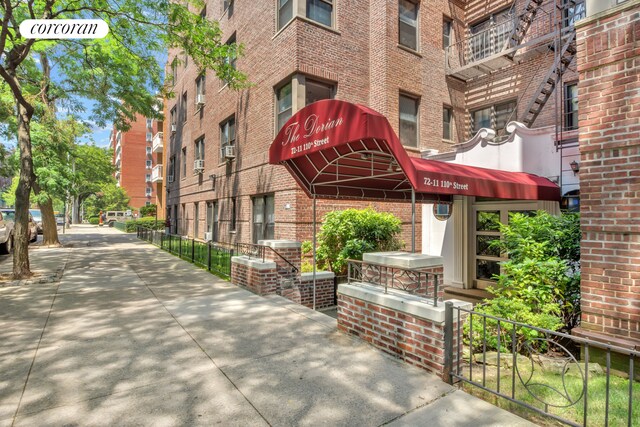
(76, 210)
(49, 227)
(21, 268)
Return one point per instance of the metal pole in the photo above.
(314, 251)
(448, 342)
(413, 220)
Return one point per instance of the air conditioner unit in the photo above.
(199, 100)
(198, 166)
(208, 236)
(170, 178)
(229, 151)
(173, 128)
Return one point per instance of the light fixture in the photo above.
(575, 167)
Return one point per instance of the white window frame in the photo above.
(298, 84)
(415, 25)
(149, 164)
(299, 9)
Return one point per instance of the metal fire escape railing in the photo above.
(494, 47)
(550, 80)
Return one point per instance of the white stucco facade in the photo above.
(532, 151)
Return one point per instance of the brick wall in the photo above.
(418, 340)
(609, 90)
(259, 278)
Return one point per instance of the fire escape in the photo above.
(521, 34)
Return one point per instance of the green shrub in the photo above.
(540, 283)
(94, 220)
(306, 247)
(149, 210)
(352, 232)
(148, 222)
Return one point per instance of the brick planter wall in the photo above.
(324, 289)
(397, 323)
(257, 276)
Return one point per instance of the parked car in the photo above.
(59, 219)
(9, 215)
(37, 217)
(119, 216)
(6, 233)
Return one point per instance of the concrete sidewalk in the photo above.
(131, 335)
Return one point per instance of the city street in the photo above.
(131, 335)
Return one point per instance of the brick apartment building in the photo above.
(609, 66)
(138, 160)
(438, 70)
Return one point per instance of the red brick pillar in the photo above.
(609, 121)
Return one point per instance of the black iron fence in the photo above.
(415, 281)
(213, 257)
(573, 380)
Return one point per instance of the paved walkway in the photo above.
(132, 335)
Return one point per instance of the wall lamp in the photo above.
(575, 167)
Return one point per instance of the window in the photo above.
(447, 26)
(148, 192)
(447, 123)
(491, 35)
(212, 220)
(408, 24)
(495, 117)
(200, 85)
(172, 119)
(149, 123)
(148, 177)
(183, 108)
(148, 150)
(285, 12)
(196, 219)
(571, 106)
(227, 135)
(263, 217)
(234, 207)
(320, 11)
(148, 164)
(199, 149)
(174, 71)
(231, 59)
(227, 6)
(172, 168)
(313, 91)
(147, 203)
(149, 137)
(183, 162)
(408, 121)
(284, 104)
(573, 12)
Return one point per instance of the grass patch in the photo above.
(562, 394)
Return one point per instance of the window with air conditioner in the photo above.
(172, 120)
(148, 177)
(198, 153)
(149, 165)
(228, 138)
(149, 136)
(200, 90)
(149, 123)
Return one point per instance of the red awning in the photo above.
(335, 149)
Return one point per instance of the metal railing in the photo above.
(414, 281)
(548, 372)
(215, 258)
(253, 250)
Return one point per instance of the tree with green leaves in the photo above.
(119, 73)
(109, 198)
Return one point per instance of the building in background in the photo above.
(440, 71)
(136, 161)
